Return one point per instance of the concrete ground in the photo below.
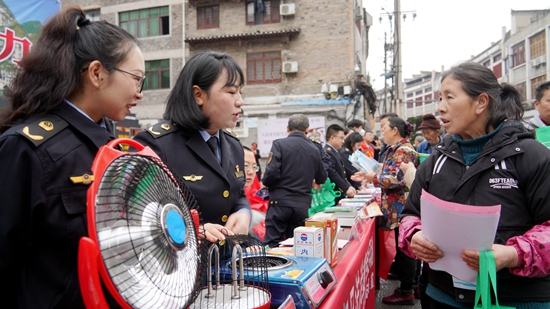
(386, 288)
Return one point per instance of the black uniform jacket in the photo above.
(43, 211)
(512, 170)
(218, 189)
(292, 166)
(338, 173)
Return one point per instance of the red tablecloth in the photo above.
(356, 273)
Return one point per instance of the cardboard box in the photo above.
(309, 241)
(330, 228)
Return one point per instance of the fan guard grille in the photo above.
(138, 252)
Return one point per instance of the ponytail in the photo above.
(51, 71)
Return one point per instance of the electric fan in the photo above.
(240, 280)
(143, 233)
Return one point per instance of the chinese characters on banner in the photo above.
(20, 26)
(272, 129)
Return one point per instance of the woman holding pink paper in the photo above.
(488, 158)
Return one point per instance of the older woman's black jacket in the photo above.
(513, 170)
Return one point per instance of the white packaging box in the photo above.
(309, 241)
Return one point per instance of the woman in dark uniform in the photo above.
(351, 144)
(195, 144)
(78, 73)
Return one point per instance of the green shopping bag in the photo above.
(323, 198)
(487, 279)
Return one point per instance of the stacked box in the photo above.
(330, 228)
(309, 241)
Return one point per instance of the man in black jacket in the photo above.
(337, 172)
(293, 165)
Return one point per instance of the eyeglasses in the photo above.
(141, 78)
(139, 83)
(253, 168)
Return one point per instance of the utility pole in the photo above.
(385, 75)
(397, 59)
(396, 72)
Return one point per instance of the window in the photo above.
(419, 92)
(268, 13)
(418, 101)
(535, 82)
(538, 44)
(497, 69)
(487, 63)
(158, 74)
(522, 90)
(497, 58)
(518, 54)
(409, 95)
(428, 99)
(263, 67)
(429, 89)
(208, 17)
(146, 22)
(409, 104)
(93, 15)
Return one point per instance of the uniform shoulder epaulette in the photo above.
(162, 128)
(43, 129)
(231, 133)
(315, 140)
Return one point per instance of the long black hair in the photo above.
(404, 128)
(353, 138)
(201, 70)
(51, 71)
(504, 100)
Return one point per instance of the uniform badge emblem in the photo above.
(85, 179)
(192, 178)
(32, 136)
(46, 125)
(154, 132)
(165, 126)
(238, 173)
(269, 157)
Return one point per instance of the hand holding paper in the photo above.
(424, 249)
(457, 227)
(363, 163)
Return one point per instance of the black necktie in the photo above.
(213, 144)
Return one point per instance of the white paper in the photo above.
(455, 227)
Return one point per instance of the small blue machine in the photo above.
(308, 280)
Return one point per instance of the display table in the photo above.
(355, 271)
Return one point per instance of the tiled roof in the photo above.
(285, 34)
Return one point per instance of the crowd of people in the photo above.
(81, 74)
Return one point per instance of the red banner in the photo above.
(356, 273)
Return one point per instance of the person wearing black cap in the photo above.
(430, 130)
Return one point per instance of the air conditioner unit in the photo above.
(358, 14)
(535, 62)
(542, 59)
(290, 67)
(287, 9)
